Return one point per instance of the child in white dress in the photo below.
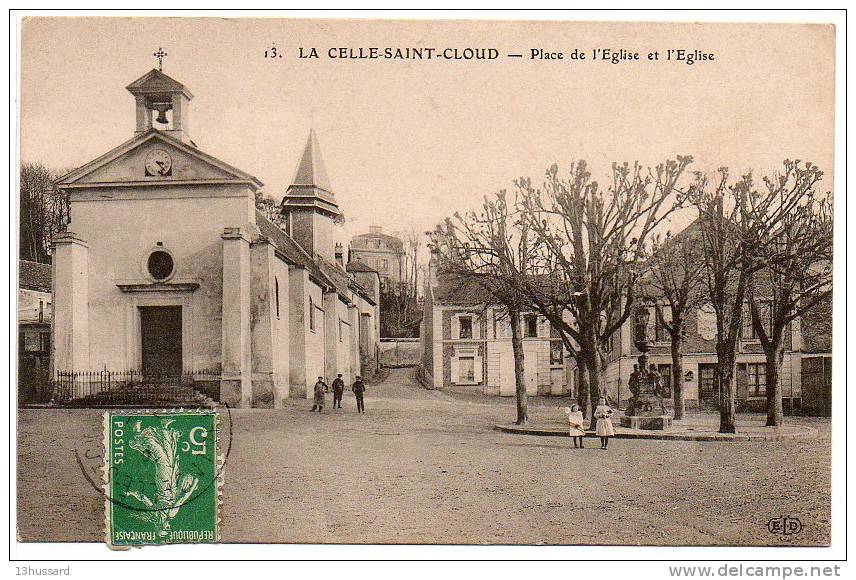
(575, 422)
(603, 412)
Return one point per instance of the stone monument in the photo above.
(646, 409)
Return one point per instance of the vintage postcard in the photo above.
(391, 281)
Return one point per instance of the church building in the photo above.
(167, 271)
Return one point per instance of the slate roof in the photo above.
(34, 276)
(359, 266)
(327, 274)
(453, 289)
(290, 249)
(310, 187)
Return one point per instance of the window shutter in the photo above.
(456, 326)
(478, 369)
(742, 381)
(454, 370)
(476, 327)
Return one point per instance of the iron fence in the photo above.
(132, 387)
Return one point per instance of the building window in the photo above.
(610, 343)
(466, 327)
(556, 353)
(45, 341)
(747, 329)
(311, 314)
(467, 369)
(666, 374)
(530, 326)
(160, 265)
(756, 376)
(660, 332)
(276, 294)
(340, 330)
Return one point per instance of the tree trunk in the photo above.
(519, 378)
(774, 355)
(727, 391)
(582, 386)
(596, 389)
(677, 377)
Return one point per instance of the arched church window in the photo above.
(160, 265)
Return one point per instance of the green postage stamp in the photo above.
(162, 478)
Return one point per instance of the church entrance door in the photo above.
(161, 341)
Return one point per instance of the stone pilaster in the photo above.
(298, 302)
(70, 328)
(331, 337)
(354, 347)
(236, 383)
(262, 315)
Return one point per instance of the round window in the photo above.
(160, 265)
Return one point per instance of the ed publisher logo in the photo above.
(784, 526)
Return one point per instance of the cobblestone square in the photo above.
(427, 467)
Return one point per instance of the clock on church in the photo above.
(158, 163)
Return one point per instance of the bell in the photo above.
(162, 108)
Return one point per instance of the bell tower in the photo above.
(162, 103)
(309, 204)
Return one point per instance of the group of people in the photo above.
(359, 388)
(603, 429)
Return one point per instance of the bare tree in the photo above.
(728, 264)
(591, 245)
(798, 256)
(268, 207)
(674, 279)
(45, 211)
(739, 223)
(493, 249)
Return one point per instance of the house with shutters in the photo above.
(466, 342)
(167, 273)
(806, 366)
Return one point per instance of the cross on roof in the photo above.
(160, 54)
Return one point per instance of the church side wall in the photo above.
(315, 338)
(342, 337)
(282, 331)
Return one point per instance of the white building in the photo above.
(167, 270)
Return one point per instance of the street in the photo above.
(427, 467)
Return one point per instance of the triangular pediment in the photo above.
(126, 165)
(156, 81)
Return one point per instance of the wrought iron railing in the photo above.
(132, 386)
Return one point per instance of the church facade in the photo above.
(167, 269)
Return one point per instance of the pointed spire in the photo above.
(310, 187)
(311, 171)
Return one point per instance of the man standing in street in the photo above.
(318, 402)
(359, 388)
(338, 391)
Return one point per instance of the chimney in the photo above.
(433, 265)
(375, 229)
(340, 255)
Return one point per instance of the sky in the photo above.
(407, 143)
